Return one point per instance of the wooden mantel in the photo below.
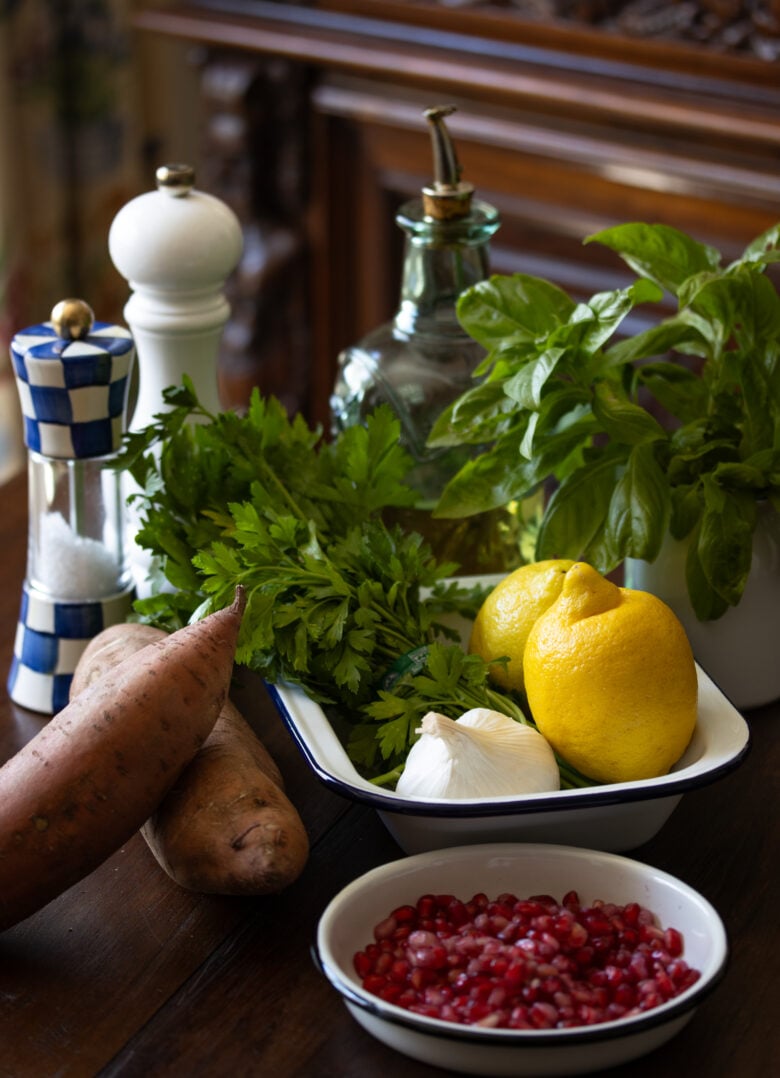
(566, 128)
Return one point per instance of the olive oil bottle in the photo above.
(423, 360)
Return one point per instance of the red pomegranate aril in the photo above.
(507, 898)
(583, 956)
(631, 913)
(678, 970)
(625, 995)
(399, 971)
(374, 983)
(383, 963)
(649, 933)
(391, 993)
(385, 929)
(639, 967)
(629, 937)
(363, 964)
(673, 942)
(404, 914)
(543, 1015)
(420, 978)
(523, 963)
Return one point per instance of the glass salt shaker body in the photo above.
(72, 374)
(76, 542)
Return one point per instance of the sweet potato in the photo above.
(226, 826)
(83, 785)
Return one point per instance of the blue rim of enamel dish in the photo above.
(559, 801)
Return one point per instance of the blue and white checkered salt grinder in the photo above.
(72, 374)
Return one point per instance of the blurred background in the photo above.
(306, 117)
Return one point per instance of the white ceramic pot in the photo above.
(741, 650)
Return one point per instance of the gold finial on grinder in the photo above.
(176, 180)
(72, 319)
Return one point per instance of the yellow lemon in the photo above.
(610, 679)
(504, 620)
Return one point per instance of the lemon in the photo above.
(610, 679)
(504, 620)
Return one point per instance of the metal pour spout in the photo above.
(448, 197)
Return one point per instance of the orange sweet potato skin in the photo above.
(226, 826)
(80, 789)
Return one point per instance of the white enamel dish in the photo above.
(347, 923)
(616, 817)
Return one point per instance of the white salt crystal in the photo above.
(71, 566)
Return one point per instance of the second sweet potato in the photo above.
(87, 781)
(226, 826)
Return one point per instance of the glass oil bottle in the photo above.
(423, 360)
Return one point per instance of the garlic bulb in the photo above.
(481, 754)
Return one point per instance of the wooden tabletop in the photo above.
(127, 974)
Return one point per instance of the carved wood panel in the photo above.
(563, 123)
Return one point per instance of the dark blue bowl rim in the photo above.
(597, 796)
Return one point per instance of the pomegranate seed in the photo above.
(527, 963)
(385, 929)
(543, 1015)
(631, 913)
(362, 964)
(673, 942)
(426, 906)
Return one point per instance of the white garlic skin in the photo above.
(481, 754)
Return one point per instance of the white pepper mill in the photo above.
(175, 246)
(72, 374)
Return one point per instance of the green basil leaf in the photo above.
(754, 473)
(764, 248)
(639, 509)
(517, 307)
(725, 543)
(490, 480)
(577, 510)
(686, 510)
(477, 417)
(678, 389)
(526, 387)
(743, 304)
(623, 420)
(527, 444)
(662, 253)
(673, 334)
(611, 308)
(707, 604)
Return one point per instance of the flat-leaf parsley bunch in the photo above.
(335, 597)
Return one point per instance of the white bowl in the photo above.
(615, 817)
(347, 924)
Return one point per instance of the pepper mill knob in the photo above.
(176, 180)
(72, 319)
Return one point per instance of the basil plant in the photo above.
(675, 429)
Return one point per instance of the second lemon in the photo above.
(507, 615)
